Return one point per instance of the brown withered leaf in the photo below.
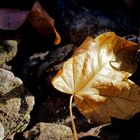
(43, 23)
(97, 76)
(12, 19)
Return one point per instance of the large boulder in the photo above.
(16, 103)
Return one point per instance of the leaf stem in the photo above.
(72, 120)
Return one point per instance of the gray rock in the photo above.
(8, 50)
(16, 103)
(57, 55)
(1, 132)
(39, 63)
(48, 131)
(83, 18)
(91, 23)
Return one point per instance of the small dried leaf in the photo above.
(43, 23)
(97, 75)
(12, 19)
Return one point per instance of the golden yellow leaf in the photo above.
(97, 75)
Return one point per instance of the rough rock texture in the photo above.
(48, 131)
(83, 18)
(1, 132)
(15, 103)
(88, 23)
(8, 50)
(39, 63)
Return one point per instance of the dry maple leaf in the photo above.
(97, 75)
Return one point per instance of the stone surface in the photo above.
(8, 50)
(1, 132)
(83, 18)
(48, 131)
(16, 103)
(38, 63)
